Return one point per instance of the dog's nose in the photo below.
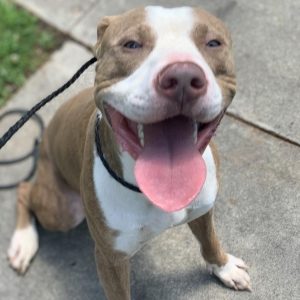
(182, 81)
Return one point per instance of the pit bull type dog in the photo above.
(133, 154)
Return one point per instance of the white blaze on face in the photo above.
(136, 96)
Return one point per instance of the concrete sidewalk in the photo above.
(257, 213)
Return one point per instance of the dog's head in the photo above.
(163, 80)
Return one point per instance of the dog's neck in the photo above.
(119, 161)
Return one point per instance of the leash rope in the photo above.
(13, 129)
(26, 115)
(34, 153)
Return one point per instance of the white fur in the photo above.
(134, 217)
(136, 97)
(128, 167)
(23, 247)
(233, 274)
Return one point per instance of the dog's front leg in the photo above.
(114, 275)
(230, 270)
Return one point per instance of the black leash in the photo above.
(32, 153)
(26, 115)
(105, 163)
(13, 129)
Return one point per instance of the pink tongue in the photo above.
(170, 171)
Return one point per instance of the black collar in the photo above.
(105, 163)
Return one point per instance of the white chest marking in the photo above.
(133, 216)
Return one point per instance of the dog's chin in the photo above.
(131, 138)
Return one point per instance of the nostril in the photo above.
(169, 83)
(197, 83)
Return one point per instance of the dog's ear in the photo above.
(103, 25)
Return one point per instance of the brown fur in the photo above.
(23, 212)
(219, 59)
(204, 230)
(114, 64)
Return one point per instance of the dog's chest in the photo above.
(134, 218)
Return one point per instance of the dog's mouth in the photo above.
(169, 167)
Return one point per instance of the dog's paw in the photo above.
(233, 274)
(23, 247)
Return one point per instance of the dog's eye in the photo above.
(132, 45)
(214, 44)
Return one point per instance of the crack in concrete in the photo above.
(263, 128)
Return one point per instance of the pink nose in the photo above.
(182, 81)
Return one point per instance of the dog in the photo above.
(132, 154)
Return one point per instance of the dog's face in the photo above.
(167, 70)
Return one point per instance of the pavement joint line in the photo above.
(79, 42)
(263, 129)
(67, 33)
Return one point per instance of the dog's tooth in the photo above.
(141, 133)
(195, 133)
